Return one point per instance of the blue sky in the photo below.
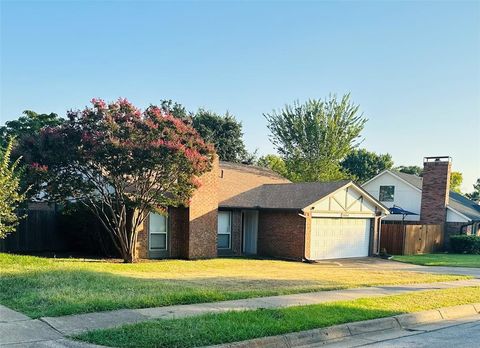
(414, 67)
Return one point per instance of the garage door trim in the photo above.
(335, 237)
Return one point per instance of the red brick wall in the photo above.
(202, 236)
(192, 231)
(178, 231)
(141, 247)
(435, 192)
(237, 233)
(281, 234)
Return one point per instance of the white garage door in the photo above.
(339, 238)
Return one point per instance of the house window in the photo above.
(386, 193)
(158, 232)
(224, 229)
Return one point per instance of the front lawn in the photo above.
(53, 287)
(454, 260)
(238, 326)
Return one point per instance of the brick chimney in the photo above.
(435, 189)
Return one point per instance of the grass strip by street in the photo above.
(39, 286)
(238, 326)
(451, 260)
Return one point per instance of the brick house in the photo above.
(249, 210)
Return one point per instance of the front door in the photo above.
(250, 232)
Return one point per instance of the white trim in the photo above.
(380, 193)
(343, 215)
(457, 212)
(394, 175)
(362, 191)
(230, 213)
(150, 233)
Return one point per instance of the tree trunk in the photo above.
(129, 232)
(122, 231)
(129, 258)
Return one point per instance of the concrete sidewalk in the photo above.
(18, 330)
(74, 324)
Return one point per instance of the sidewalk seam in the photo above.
(51, 326)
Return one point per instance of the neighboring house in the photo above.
(248, 210)
(429, 196)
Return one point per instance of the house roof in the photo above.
(251, 169)
(412, 179)
(456, 201)
(464, 205)
(283, 196)
(236, 179)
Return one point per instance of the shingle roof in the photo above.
(457, 201)
(283, 196)
(410, 178)
(247, 168)
(464, 205)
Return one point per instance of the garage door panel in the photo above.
(339, 238)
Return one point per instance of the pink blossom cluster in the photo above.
(39, 167)
(196, 182)
(98, 103)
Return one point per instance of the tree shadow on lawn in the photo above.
(64, 292)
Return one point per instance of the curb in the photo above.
(323, 335)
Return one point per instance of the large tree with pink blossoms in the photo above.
(120, 162)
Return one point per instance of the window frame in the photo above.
(157, 233)
(381, 195)
(230, 216)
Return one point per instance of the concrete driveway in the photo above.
(389, 265)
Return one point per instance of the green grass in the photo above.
(454, 260)
(53, 287)
(238, 326)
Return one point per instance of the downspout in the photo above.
(304, 257)
(380, 232)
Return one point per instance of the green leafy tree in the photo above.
(456, 180)
(175, 109)
(275, 163)
(10, 195)
(313, 137)
(363, 165)
(121, 163)
(415, 170)
(225, 132)
(29, 124)
(475, 195)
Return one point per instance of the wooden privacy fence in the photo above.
(37, 232)
(411, 239)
